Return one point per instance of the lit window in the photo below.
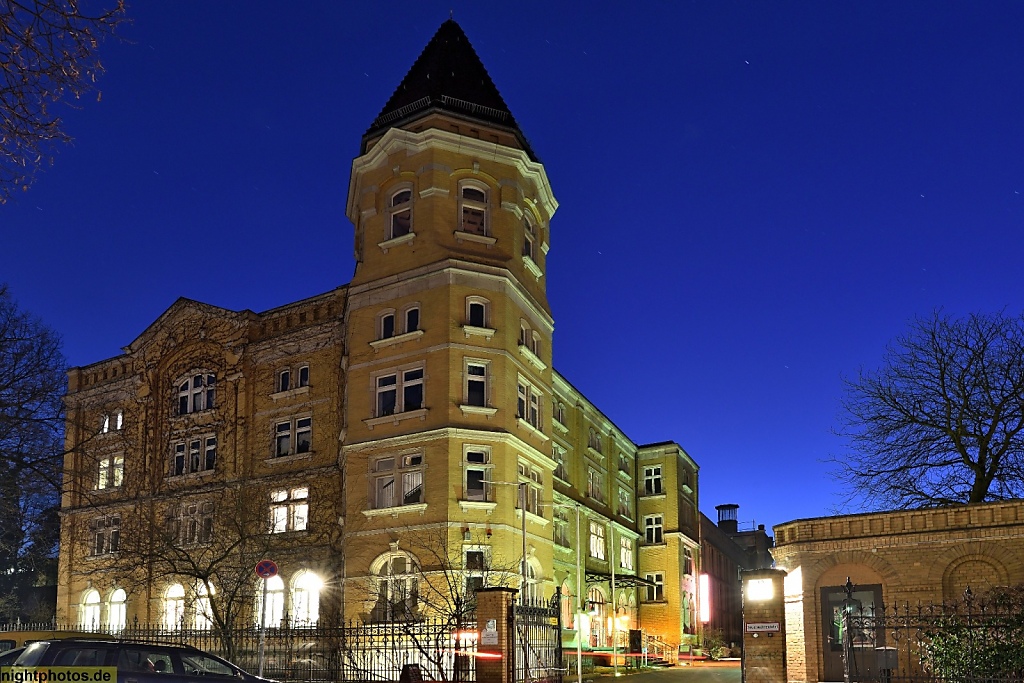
(412, 319)
(119, 420)
(275, 603)
(105, 424)
(476, 312)
(528, 404)
(656, 586)
(625, 503)
(561, 458)
(400, 213)
(397, 480)
(652, 480)
(190, 524)
(531, 484)
(106, 535)
(530, 593)
(397, 584)
(654, 529)
(197, 393)
(111, 472)
(476, 384)
(595, 484)
(474, 210)
(477, 470)
(289, 510)
(117, 610)
(597, 545)
(626, 553)
(91, 610)
(394, 397)
(194, 455)
(293, 437)
(203, 616)
(759, 590)
(174, 607)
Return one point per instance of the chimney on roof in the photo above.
(727, 516)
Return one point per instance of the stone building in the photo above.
(392, 444)
(892, 558)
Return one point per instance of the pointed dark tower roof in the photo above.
(448, 76)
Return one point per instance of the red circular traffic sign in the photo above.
(266, 569)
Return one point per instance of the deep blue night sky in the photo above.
(755, 197)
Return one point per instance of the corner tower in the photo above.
(448, 334)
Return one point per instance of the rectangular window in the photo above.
(625, 503)
(194, 455)
(652, 480)
(654, 529)
(106, 534)
(397, 480)
(528, 404)
(687, 562)
(561, 458)
(655, 591)
(477, 314)
(111, 472)
(197, 393)
(595, 484)
(476, 475)
(624, 463)
(597, 546)
(476, 384)
(561, 534)
(412, 319)
(530, 488)
(191, 524)
(304, 376)
(399, 392)
(284, 380)
(293, 436)
(387, 326)
(626, 553)
(289, 510)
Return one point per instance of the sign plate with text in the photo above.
(763, 627)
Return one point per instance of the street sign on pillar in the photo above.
(266, 569)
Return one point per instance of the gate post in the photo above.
(495, 647)
(764, 626)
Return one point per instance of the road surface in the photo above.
(718, 672)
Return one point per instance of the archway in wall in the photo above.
(832, 600)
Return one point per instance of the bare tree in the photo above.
(32, 381)
(47, 53)
(940, 423)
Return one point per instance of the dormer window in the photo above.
(197, 393)
(400, 211)
(474, 210)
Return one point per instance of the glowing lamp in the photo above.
(759, 590)
(704, 596)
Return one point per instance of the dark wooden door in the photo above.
(863, 601)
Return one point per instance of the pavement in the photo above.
(727, 671)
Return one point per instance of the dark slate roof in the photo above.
(448, 76)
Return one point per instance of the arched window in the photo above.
(203, 618)
(306, 598)
(473, 201)
(397, 586)
(531, 592)
(275, 603)
(117, 610)
(400, 213)
(174, 607)
(91, 610)
(598, 611)
(196, 392)
(477, 312)
(119, 420)
(568, 606)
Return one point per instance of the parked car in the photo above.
(137, 662)
(15, 639)
(7, 657)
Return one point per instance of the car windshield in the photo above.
(7, 658)
(32, 654)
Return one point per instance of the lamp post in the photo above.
(580, 591)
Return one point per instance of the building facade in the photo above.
(392, 444)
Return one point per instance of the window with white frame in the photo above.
(476, 383)
(400, 214)
(655, 587)
(560, 412)
(106, 534)
(476, 311)
(531, 485)
(117, 610)
(196, 393)
(274, 591)
(597, 541)
(284, 380)
(625, 503)
(624, 465)
(306, 587)
(190, 524)
(399, 392)
(478, 474)
(594, 440)
(529, 240)
(626, 553)
(386, 325)
(397, 480)
(412, 319)
(303, 376)
(196, 454)
(294, 436)
(90, 610)
(174, 607)
(687, 562)
(289, 510)
(561, 530)
(529, 338)
(111, 472)
(530, 593)
(528, 404)
(289, 378)
(652, 480)
(561, 458)
(397, 587)
(475, 565)
(112, 421)
(474, 210)
(654, 529)
(595, 484)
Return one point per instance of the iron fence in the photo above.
(537, 640)
(970, 640)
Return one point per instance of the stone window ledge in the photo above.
(486, 506)
(291, 457)
(472, 330)
(530, 428)
(397, 510)
(396, 418)
(478, 410)
(397, 339)
(396, 241)
(290, 393)
(534, 359)
(463, 236)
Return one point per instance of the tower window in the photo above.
(474, 210)
(476, 384)
(477, 312)
(401, 213)
(529, 240)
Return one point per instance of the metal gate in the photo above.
(966, 641)
(537, 640)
